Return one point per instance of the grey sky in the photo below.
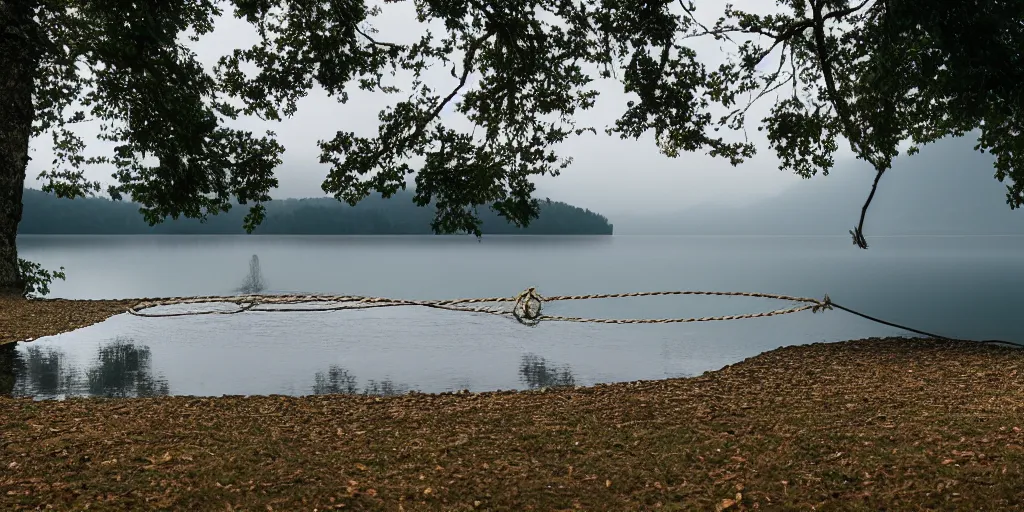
(608, 175)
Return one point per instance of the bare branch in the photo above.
(777, 38)
(858, 232)
(693, 17)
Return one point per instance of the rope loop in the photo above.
(528, 307)
(824, 305)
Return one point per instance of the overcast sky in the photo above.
(608, 175)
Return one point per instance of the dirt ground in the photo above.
(878, 424)
(22, 319)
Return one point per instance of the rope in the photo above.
(923, 333)
(526, 307)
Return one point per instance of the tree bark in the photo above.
(19, 62)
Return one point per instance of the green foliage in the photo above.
(125, 67)
(37, 279)
(528, 84)
(878, 74)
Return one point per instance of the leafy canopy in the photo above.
(126, 66)
(877, 74)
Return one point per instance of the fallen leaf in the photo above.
(725, 504)
(361, 467)
(166, 457)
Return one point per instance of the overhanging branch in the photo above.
(376, 42)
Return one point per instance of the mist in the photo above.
(947, 189)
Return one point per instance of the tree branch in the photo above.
(778, 38)
(689, 13)
(826, 71)
(858, 232)
(843, 12)
(771, 85)
(376, 42)
(853, 133)
(466, 70)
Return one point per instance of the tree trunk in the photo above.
(19, 62)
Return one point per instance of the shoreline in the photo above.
(893, 423)
(899, 424)
(24, 320)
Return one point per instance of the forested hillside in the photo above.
(46, 214)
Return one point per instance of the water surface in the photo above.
(956, 286)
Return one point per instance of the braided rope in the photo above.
(526, 307)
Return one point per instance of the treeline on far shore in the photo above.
(46, 214)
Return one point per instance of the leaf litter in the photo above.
(894, 424)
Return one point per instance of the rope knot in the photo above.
(825, 304)
(528, 306)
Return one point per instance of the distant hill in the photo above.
(947, 189)
(46, 214)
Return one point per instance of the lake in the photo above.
(966, 287)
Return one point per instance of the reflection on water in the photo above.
(48, 373)
(386, 351)
(955, 286)
(964, 287)
(43, 372)
(11, 365)
(338, 381)
(536, 372)
(253, 282)
(385, 388)
(121, 368)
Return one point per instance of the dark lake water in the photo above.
(965, 287)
